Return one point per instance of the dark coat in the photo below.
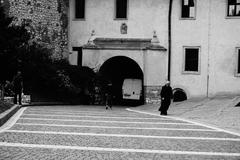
(166, 96)
(166, 92)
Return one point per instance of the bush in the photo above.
(57, 80)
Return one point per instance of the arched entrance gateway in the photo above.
(135, 67)
(126, 78)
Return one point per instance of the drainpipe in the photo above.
(209, 43)
(169, 38)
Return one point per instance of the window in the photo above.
(191, 59)
(188, 8)
(121, 9)
(238, 62)
(233, 8)
(79, 55)
(79, 9)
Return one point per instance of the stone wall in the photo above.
(46, 20)
(152, 94)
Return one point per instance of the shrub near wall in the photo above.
(55, 80)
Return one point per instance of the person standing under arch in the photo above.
(108, 96)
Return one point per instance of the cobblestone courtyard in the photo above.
(93, 133)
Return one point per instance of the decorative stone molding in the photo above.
(155, 44)
(155, 40)
(91, 39)
(123, 28)
(91, 44)
(122, 44)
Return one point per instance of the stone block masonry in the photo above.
(152, 94)
(46, 20)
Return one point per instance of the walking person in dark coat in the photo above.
(108, 101)
(108, 96)
(166, 96)
(17, 87)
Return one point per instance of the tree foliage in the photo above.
(42, 75)
(13, 40)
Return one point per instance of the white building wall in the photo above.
(190, 32)
(224, 38)
(95, 58)
(155, 68)
(218, 36)
(215, 34)
(143, 18)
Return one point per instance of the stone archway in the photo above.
(116, 70)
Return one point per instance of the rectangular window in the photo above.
(238, 61)
(79, 9)
(121, 9)
(191, 58)
(188, 9)
(79, 55)
(233, 8)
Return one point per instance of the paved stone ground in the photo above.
(218, 111)
(93, 133)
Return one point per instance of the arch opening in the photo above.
(179, 95)
(116, 70)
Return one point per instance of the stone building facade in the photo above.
(204, 42)
(197, 48)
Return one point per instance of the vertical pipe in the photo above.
(169, 38)
(209, 43)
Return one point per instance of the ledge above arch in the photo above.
(123, 44)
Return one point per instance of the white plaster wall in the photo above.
(73, 58)
(95, 58)
(224, 38)
(216, 35)
(143, 18)
(190, 33)
(152, 63)
(155, 68)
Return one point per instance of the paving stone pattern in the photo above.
(124, 131)
(107, 124)
(14, 153)
(41, 131)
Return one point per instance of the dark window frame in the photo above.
(80, 9)
(116, 16)
(236, 5)
(79, 55)
(193, 71)
(237, 73)
(191, 3)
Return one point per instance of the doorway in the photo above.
(116, 70)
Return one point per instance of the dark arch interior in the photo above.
(179, 95)
(238, 104)
(117, 69)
